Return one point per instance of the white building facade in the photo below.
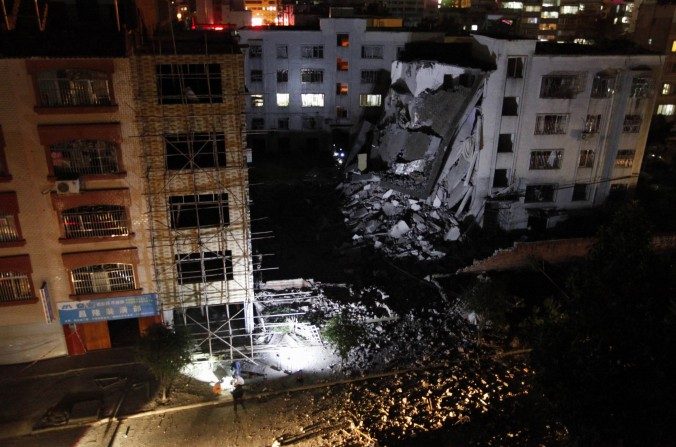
(312, 83)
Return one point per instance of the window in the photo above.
(545, 159)
(312, 51)
(257, 100)
(602, 86)
(673, 46)
(189, 83)
(282, 52)
(312, 100)
(256, 76)
(666, 109)
(341, 113)
(512, 5)
(282, 76)
(632, 124)
(370, 76)
(625, 158)
(341, 88)
(547, 26)
(15, 286)
(551, 124)
(500, 178)
(210, 266)
(505, 143)
(570, 9)
(342, 64)
(564, 86)
(510, 106)
(311, 75)
(515, 67)
(257, 123)
(103, 278)
(283, 123)
(343, 40)
(400, 52)
(592, 124)
(256, 51)
(540, 193)
(666, 88)
(69, 88)
(194, 151)
(282, 100)
(309, 123)
(550, 15)
(532, 8)
(641, 87)
(8, 228)
(95, 221)
(532, 20)
(72, 159)
(579, 192)
(367, 100)
(199, 211)
(586, 159)
(371, 52)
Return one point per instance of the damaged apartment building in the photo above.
(505, 131)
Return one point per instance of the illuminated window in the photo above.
(312, 100)
(474, 27)
(673, 46)
(550, 3)
(549, 15)
(256, 100)
(370, 100)
(512, 5)
(94, 221)
(343, 40)
(625, 158)
(547, 26)
(531, 20)
(282, 100)
(570, 9)
(532, 8)
(103, 278)
(666, 89)
(342, 64)
(666, 109)
(341, 88)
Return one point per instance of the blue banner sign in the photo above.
(117, 308)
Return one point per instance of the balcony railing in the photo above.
(95, 221)
(62, 92)
(82, 157)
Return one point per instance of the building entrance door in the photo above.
(123, 332)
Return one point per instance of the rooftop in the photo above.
(615, 47)
(457, 53)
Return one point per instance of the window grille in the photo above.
(95, 221)
(8, 230)
(255, 51)
(540, 193)
(82, 157)
(201, 210)
(546, 159)
(283, 99)
(551, 124)
(311, 75)
(592, 124)
(14, 287)
(565, 86)
(372, 52)
(632, 124)
(370, 100)
(256, 76)
(370, 76)
(257, 101)
(189, 83)
(312, 100)
(641, 87)
(195, 151)
(68, 88)
(625, 158)
(103, 278)
(194, 268)
(312, 51)
(586, 159)
(602, 86)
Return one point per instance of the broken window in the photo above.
(367, 100)
(586, 159)
(592, 124)
(505, 143)
(312, 51)
(71, 159)
(282, 52)
(341, 88)
(540, 193)
(194, 151)
(311, 75)
(282, 75)
(255, 51)
(500, 178)
(256, 76)
(579, 192)
(546, 159)
(515, 67)
(210, 266)
(189, 83)
(257, 123)
(199, 210)
(370, 76)
(282, 100)
(641, 87)
(551, 124)
(309, 123)
(632, 124)
(312, 100)
(257, 100)
(343, 40)
(342, 64)
(625, 158)
(341, 113)
(603, 85)
(560, 86)
(64, 88)
(510, 106)
(283, 123)
(371, 52)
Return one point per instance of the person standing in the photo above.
(237, 392)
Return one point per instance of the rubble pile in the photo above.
(397, 224)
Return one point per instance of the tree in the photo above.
(165, 352)
(343, 333)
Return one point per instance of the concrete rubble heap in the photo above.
(428, 140)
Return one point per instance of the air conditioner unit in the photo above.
(68, 187)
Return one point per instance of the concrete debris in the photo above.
(399, 229)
